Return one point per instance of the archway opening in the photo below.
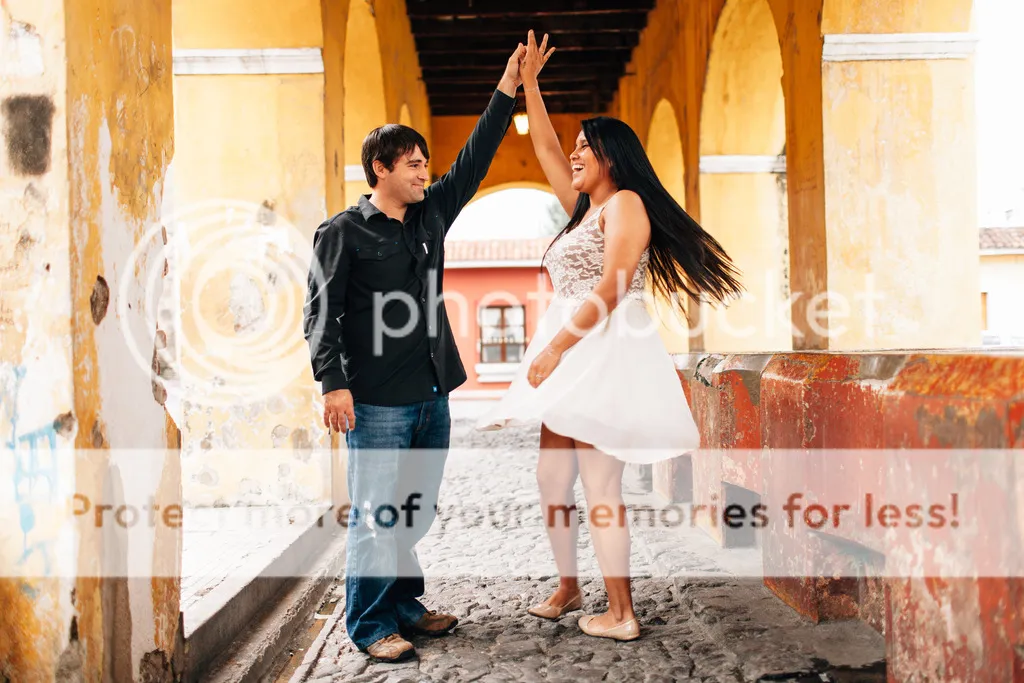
(509, 212)
(742, 178)
(665, 150)
(364, 107)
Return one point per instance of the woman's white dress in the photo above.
(617, 388)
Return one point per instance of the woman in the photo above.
(596, 374)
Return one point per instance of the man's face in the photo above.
(405, 183)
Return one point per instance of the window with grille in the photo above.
(502, 334)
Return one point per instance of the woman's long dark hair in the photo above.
(682, 255)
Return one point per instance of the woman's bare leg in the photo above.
(556, 476)
(602, 484)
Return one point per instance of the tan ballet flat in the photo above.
(546, 611)
(627, 630)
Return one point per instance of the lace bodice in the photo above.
(576, 261)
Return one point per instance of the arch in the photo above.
(743, 109)
(742, 196)
(364, 107)
(529, 210)
(665, 150)
(518, 184)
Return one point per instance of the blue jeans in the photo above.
(396, 457)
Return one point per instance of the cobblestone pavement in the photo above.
(488, 568)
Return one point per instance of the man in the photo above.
(383, 351)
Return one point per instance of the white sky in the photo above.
(999, 87)
(516, 213)
(999, 101)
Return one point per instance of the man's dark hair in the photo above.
(387, 145)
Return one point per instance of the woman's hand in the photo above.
(533, 60)
(543, 365)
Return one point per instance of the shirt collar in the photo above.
(368, 210)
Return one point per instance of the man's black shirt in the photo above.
(374, 318)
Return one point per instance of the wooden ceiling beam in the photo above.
(520, 8)
(556, 25)
(458, 61)
(568, 43)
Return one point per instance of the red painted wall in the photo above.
(467, 288)
(847, 410)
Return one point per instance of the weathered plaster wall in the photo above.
(37, 424)
(120, 137)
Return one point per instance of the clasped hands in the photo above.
(527, 61)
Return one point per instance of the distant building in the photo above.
(1002, 286)
(495, 293)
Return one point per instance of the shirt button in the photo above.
(423, 299)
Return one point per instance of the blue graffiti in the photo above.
(32, 466)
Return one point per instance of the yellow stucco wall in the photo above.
(365, 102)
(250, 190)
(383, 81)
(895, 16)
(900, 174)
(255, 24)
(665, 148)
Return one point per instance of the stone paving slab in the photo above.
(489, 568)
(223, 549)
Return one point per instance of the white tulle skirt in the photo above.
(616, 389)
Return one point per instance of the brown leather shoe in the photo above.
(393, 648)
(435, 623)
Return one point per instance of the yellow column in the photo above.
(900, 183)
